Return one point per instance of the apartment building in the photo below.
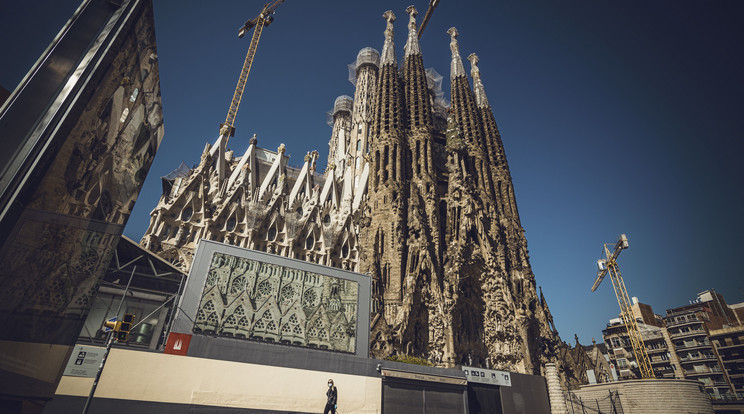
(729, 347)
(688, 331)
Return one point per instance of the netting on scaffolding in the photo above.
(434, 82)
(292, 223)
(366, 56)
(343, 103)
(254, 212)
(183, 170)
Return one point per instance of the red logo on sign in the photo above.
(178, 343)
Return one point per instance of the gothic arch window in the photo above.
(395, 162)
(310, 241)
(417, 158)
(212, 319)
(382, 244)
(317, 330)
(243, 323)
(339, 333)
(187, 213)
(231, 223)
(385, 162)
(271, 235)
(426, 157)
(240, 310)
(231, 321)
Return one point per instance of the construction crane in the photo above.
(257, 23)
(609, 265)
(432, 5)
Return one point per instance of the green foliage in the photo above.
(409, 359)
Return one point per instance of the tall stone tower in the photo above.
(417, 194)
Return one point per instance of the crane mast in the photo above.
(257, 23)
(432, 5)
(609, 265)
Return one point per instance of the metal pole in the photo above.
(174, 311)
(109, 342)
(570, 398)
(152, 313)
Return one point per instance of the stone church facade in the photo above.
(417, 194)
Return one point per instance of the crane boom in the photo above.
(432, 5)
(257, 23)
(609, 265)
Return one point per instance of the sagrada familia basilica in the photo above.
(417, 194)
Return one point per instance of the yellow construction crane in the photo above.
(263, 19)
(609, 265)
(432, 5)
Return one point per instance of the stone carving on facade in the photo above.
(249, 299)
(417, 195)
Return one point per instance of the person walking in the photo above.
(332, 395)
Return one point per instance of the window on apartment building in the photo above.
(665, 357)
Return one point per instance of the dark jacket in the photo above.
(332, 395)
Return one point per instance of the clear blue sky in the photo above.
(617, 117)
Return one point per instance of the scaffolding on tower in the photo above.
(609, 265)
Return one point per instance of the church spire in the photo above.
(456, 67)
(412, 44)
(416, 90)
(388, 49)
(478, 89)
(466, 115)
(388, 108)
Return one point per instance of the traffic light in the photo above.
(111, 324)
(123, 327)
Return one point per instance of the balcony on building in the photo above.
(687, 332)
(690, 345)
(707, 371)
(683, 319)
